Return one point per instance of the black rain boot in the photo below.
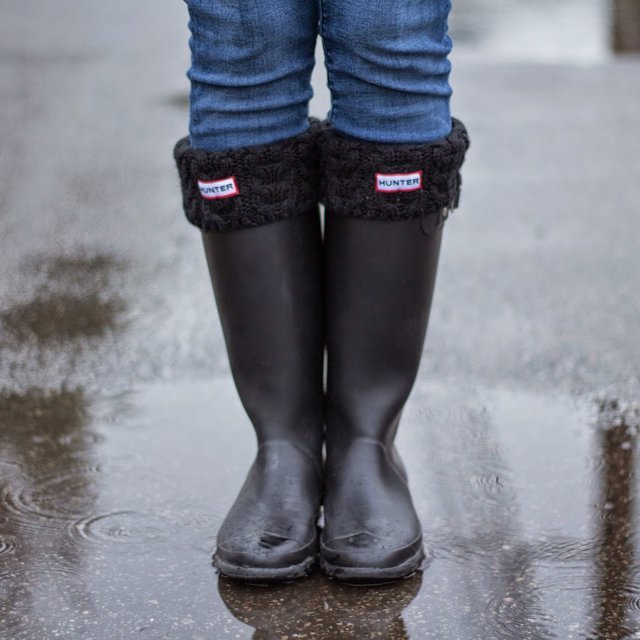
(385, 207)
(258, 210)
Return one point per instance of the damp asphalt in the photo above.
(123, 443)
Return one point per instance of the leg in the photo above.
(251, 65)
(390, 167)
(249, 174)
(388, 68)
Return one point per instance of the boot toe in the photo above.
(270, 533)
(364, 556)
(263, 555)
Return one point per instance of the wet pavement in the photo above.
(122, 442)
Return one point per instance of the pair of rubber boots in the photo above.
(285, 293)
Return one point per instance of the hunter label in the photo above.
(214, 189)
(395, 182)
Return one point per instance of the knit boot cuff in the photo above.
(250, 186)
(382, 181)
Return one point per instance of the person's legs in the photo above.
(251, 64)
(249, 179)
(390, 174)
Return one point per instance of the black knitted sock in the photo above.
(385, 181)
(251, 186)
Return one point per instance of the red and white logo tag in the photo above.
(395, 182)
(214, 189)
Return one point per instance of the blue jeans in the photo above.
(387, 68)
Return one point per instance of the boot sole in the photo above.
(373, 575)
(264, 574)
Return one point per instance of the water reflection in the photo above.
(73, 301)
(49, 467)
(61, 317)
(321, 608)
(531, 529)
(616, 594)
(491, 574)
(46, 466)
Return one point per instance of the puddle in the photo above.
(50, 318)
(77, 268)
(72, 301)
(109, 507)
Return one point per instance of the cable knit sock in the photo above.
(251, 186)
(379, 181)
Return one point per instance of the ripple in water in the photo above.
(56, 498)
(485, 549)
(563, 549)
(6, 547)
(633, 599)
(130, 527)
(9, 466)
(518, 615)
(491, 486)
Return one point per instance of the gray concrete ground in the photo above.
(122, 443)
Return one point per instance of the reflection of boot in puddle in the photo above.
(277, 611)
(322, 609)
(369, 612)
(617, 592)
